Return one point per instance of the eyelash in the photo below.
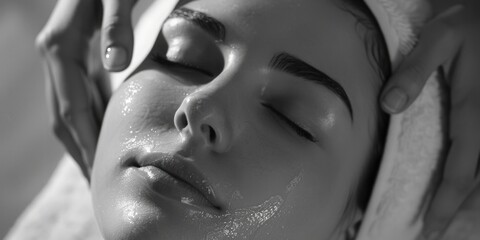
(159, 58)
(296, 127)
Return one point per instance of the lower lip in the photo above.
(170, 187)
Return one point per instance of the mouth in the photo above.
(174, 177)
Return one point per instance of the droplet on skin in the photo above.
(149, 172)
(187, 200)
(241, 223)
(132, 89)
(328, 122)
(129, 210)
(294, 182)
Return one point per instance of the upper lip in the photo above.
(181, 168)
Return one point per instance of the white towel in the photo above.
(416, 142)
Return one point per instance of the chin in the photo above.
(128, 210)
(136, 219)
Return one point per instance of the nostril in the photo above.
(182, 121)
(209, 132)
(213, 134)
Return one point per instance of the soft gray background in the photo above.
(28, 150)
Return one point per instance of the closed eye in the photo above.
(178, 63)
(295, 126)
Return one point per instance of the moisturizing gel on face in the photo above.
(244, 223)
(241, 223)
(130, 93)
(147, 142)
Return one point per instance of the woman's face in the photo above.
(250, 119)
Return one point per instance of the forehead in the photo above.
(302, 27)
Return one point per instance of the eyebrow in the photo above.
(295, 66)
(209, 24)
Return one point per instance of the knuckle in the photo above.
(46, 40)
(43, 41)
(115, 26)
(112, 22)
(415, 75)
(58, 128)
(415, 70)
(66, 114)
(69, 113)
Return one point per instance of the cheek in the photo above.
(271, 162)
(142, 108)
(314, 196)
(147, 100)
(319, 183)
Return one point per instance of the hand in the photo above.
(466, 224)
(450, 41)
(76, 104)
(74, 101)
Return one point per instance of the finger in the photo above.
(74, 103)
(460, 170)
(99, 84)
(466, 224)
(59, 128)
(65, 137)
(70, 16)
(64, 40)
(117, 34)
(99, 99)
(438, 43)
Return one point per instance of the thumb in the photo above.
(439, 42)
(117, 34)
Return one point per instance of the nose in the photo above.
(201, 116)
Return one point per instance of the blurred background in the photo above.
(28, 150)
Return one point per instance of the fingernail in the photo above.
(394, 100)
(115, 58)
